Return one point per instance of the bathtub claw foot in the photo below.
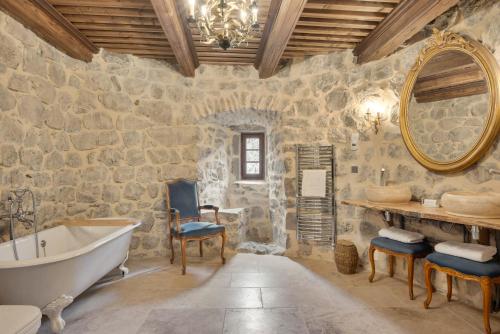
(54, 309)
(122, 267)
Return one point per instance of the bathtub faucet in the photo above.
(17, 212)
(21, 214)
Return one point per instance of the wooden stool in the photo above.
(396, 248)
(486, 273)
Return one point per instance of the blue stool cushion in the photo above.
(465, 266)
(198, 229)
(401, 247)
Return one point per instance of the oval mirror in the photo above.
(449, 106)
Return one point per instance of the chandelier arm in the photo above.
(226, 22)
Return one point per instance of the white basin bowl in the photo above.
(397, 194)
(472, 204)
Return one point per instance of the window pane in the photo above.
(253, 168)
(252, 143)
(253, 156)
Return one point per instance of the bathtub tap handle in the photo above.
(43, 244)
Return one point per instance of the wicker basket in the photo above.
(346, 257)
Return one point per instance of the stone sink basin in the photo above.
(397, 194)
(472, 204)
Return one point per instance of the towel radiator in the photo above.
(316, 216)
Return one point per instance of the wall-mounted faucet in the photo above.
(17, 212)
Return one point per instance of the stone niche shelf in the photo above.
(417, 210)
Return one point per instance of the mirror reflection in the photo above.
(449, 106)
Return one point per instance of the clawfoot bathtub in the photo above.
(72, 258)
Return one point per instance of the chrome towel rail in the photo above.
(316, 216)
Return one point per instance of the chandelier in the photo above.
(226, 23)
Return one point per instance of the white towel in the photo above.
(472, 252)
(314, 183)
(398, 234)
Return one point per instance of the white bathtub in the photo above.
(74, 258)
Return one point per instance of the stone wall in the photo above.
(446, 130)
(100, 139)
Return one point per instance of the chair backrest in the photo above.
(182, 195)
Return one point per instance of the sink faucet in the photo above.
(382, 177)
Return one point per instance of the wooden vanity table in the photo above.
(417, 210)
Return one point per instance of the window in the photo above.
(252, 156)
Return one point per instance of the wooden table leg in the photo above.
(411, 263)
(391, 265)
(486, 285)
(449, 281)
(428, 283)
(371, 253)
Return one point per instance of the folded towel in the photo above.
(472, 252)
(314, 183)
(398, 234)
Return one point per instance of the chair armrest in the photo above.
(211, 207)
(177, 213)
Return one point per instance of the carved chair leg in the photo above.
(371, 253)
(171, 249)
(391, 265)
(183, 255)
(223, 235)
(201, 248)
(486, 285)
(410, 264)
(428, 283)
(449, 281)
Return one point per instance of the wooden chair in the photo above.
(395, 248)
(485, 273)
(184, 210)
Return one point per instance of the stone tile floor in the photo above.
(261, 294)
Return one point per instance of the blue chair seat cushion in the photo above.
(402, 247)
(465, 266)
(198, 229)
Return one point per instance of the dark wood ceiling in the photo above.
(123, 26)
(288, 29)
(327, 26)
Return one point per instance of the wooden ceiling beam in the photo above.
(351, 5)
(330, 38)
(137, 52)
(332, 31)
(175, 27)
(232, 63)
(204, 54)
(303, 43)
(129, 41)
(135, 4)
(343, 15)
(407, 19)
(301, 54)
(104, 11)
(45, 21)
(86, 27)
(452, 92)
(137, 47)
(335, 23)
(314, 49)
(386, 1)
(141, 21)
(124, 34)
(282, 19)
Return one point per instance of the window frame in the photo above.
(243, 156)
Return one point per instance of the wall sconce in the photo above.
(375, 115)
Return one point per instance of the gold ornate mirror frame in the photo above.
(440, 42)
